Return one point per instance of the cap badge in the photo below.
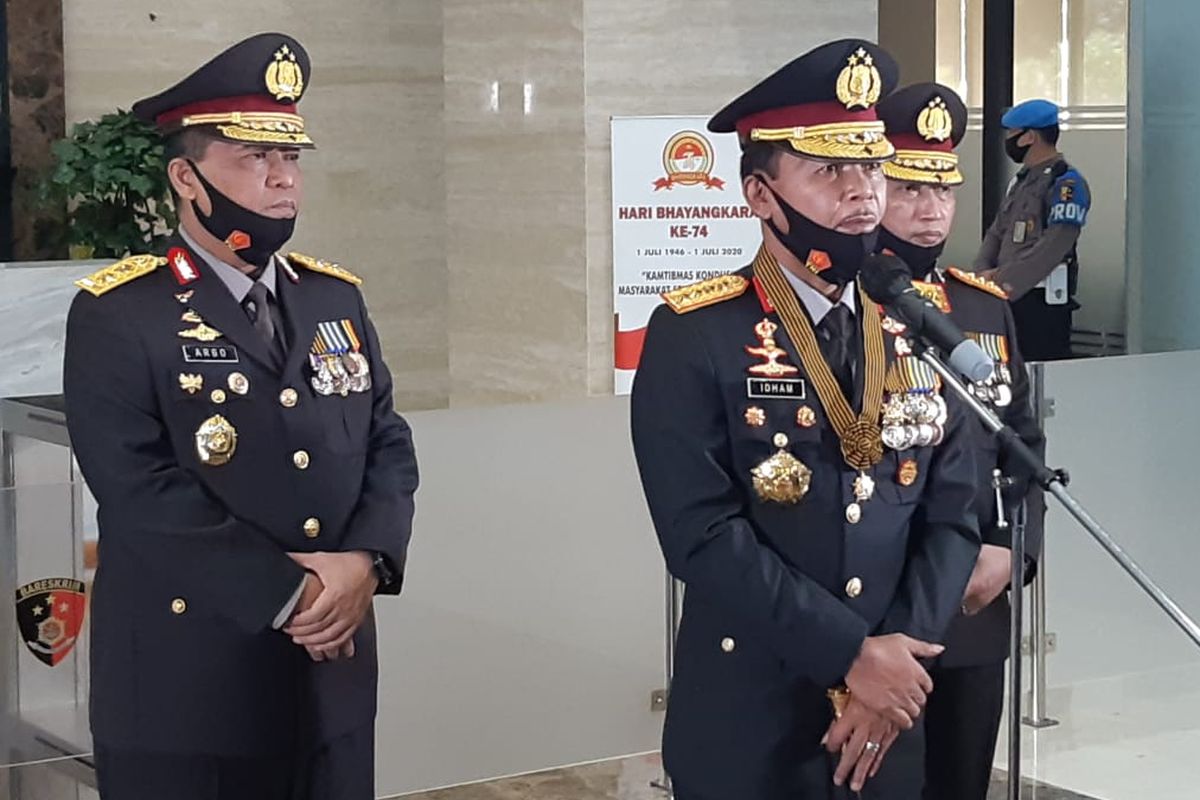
(934, 122)
(859, 83)
(285, 80)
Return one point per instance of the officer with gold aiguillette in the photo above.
(787, 440)
(232, 414)
(926, 122)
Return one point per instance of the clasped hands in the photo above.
(337, 594)
(888, 688)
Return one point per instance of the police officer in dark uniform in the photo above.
(1030, 248)
(926, 122)
(786, 441)
(232, 414)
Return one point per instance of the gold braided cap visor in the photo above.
(255, 127)
(924, 166)
(836, 141)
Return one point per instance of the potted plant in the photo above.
(110, 177)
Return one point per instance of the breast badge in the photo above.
(806, 417)
(201, 333)
(338, 365)
(907, 474)
(914, 413)
(239, 384)
(996, 389)
(755, 417)
(770, 353)
(782, 478)
(190, 382)
(216, 441)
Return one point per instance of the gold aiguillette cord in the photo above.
(861, 439)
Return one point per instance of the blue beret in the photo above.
(1031, 114)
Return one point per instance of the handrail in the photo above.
(1035, 514)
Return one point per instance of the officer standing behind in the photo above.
(232, 414)
(1030, 248)
(926, 122)
(785, 442)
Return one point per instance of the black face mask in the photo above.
(846, 251)
(1016, 151)
(919, 260)
(252, 237)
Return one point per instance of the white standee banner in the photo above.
(678, 217)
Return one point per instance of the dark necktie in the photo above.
(837, 345)
(264, 316)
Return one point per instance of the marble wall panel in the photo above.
(375, 188)
(36, 112)
(515, 203)
(464, 165)
(33, 321)
(679, 57)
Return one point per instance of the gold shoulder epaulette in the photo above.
(934, 293)
(706, 293)
(119, 274)
(324, 267)
(978, 281)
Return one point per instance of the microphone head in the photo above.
(884, 278)
(968, 359)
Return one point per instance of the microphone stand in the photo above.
(1054, 482)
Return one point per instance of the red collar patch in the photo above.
(183, 266)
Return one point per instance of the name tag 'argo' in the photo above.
(210, 354)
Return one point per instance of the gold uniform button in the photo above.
(312, 527)
(728, 644)
(288, 398)
(853, 513)
(300, 459)
(218, 396)
(854, 587)
(178, 605)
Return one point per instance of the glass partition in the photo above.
(45, 580)
(1124, 681)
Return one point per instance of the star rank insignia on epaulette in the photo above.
(978, 281)
(934, 293)
(119, 274)
(706, 293)
(324, 267)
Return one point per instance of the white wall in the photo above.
(531, 629)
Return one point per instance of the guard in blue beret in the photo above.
(788, 442)
(1030, 249)
(232, 414)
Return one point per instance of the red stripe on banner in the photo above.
(628, 348)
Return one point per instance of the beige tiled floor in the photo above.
(629, 779)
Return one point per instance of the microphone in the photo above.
(886, 280)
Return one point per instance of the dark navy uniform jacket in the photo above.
(780, 597)
(983, 638)
(193, 566)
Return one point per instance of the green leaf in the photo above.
(141, 184)
(110, 176)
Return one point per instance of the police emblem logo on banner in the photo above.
(688, 160)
